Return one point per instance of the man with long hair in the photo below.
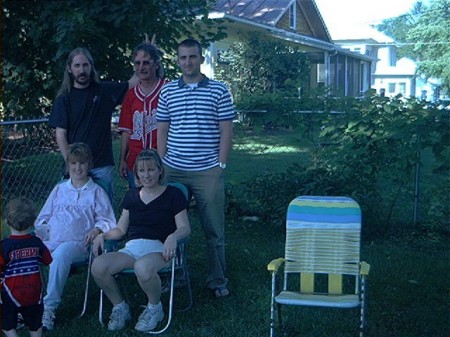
(82, 112)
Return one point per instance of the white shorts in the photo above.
(137, 248)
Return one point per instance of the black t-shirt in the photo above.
(156, 220)
(86, 115)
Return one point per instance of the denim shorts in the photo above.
(137, 248)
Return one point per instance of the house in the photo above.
(343, 71)
(390, 76)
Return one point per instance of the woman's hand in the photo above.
(98, 245)
(91, 235)
(170, 248)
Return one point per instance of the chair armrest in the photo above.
(274, 265)
(183, 241)
(111, 245)
(364, 268)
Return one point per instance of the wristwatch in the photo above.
(223, 166)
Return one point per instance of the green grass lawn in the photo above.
(256, 154)
(408, 289)
(407, 293)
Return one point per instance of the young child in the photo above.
(22, 252)
(76, 211)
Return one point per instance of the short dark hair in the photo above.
(20, 213)
(148, 155)
(79, 152)
(190, 42)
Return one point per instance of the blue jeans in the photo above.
(130, 178)
(63, 257)
(208, 188)
(104, 176)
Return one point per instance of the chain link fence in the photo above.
(32, 164)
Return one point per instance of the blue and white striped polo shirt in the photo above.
(194, 114)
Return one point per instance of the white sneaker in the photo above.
(48, 319)
(119, 316)
(150, 318)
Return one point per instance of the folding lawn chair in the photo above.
(322, 238)
(74, 267)
(178, 266)
(88, 262)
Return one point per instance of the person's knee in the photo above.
(60, 262)
(145, 270)
(98, 268)
(68, 252)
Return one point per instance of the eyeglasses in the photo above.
(143, 63)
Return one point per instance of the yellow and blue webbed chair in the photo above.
(323, 236)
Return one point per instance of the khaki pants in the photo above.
(208, 189)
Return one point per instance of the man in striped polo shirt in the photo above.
(195, 116)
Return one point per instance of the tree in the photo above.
(430, 37)
(258, 64)
(38, 35)
(424, 36)
(398, 27)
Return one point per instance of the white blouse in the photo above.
(70, 213)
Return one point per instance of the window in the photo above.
(402, 88)
(392, 56)
(321, 73)
(391, 88)
(293, 16)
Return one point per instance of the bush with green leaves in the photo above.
(370, 153)
(379, 148)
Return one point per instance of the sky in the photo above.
(347, 15)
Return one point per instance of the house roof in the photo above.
(359, 33)
(269, 13)
(265, 14)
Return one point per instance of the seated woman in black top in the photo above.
(154, 218)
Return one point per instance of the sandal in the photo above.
(221, 291)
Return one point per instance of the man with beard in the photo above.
(82, 112)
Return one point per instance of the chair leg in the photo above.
(86, 290)
(172, 286)
(272, 321)
(362, 322)
(189, 291)
(100, 308)
(272, 308)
